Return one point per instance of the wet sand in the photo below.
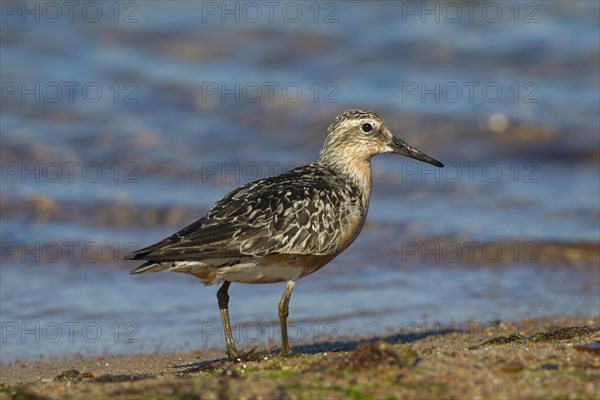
(553, 357)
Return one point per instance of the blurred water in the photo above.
(171, 108)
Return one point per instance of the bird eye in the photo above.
(366, 127)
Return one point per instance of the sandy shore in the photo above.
(554, 357)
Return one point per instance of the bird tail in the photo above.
(149, 267)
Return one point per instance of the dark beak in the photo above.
(399, 146)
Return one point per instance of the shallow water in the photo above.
(184, 114)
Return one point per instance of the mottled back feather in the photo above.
(287, 214)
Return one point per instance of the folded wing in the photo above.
(287, 214)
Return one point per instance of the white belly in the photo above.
(257, 273)
(268, 269)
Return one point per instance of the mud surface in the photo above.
(543, 358)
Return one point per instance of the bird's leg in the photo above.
(283, 314)
(223, 299)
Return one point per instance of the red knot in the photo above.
(283, 228)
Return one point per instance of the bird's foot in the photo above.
(285, 352)
(232, 354)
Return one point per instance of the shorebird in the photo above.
(282, 228)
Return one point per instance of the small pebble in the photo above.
(590, 347)
(550, 366)
(512, 367)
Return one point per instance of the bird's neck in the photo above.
(355, 169)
